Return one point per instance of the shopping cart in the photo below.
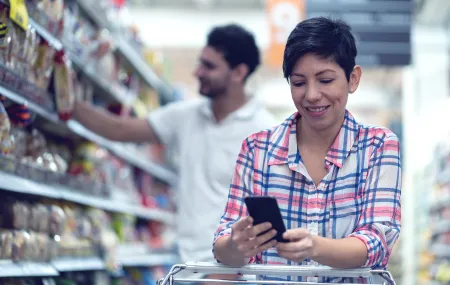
(380, 277)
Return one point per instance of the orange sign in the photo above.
(282, 16)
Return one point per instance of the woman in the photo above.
(337, 182)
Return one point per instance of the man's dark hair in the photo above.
(236, 44)
(324, 37)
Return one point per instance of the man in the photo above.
(207, 134)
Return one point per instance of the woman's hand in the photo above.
(300, 247)
(247, 240)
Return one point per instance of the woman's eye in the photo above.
(326, 81)
(298, 84)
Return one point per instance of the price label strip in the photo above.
(19, 13)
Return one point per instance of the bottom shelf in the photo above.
(10, 269)
(78, 264)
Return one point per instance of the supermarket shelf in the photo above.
(132, 157)
(52, 40)
(441, 250)
(78, 264)
(439, 204)
(33, 106)
(152, 259)
(21, 185)
(125, 153)
(119, 93)
(144, 69)
(128, 52)
(441, 227)
(9, 269)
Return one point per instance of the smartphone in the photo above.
(265, 209)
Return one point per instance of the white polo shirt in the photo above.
(207, 155)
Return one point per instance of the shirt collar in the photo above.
(283, 141)
(245, 112)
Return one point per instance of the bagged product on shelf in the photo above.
(124, 225)
(54, 9)
(5, 37)
(39, 219)
(19, 115)
(88, 163)
(57, 220)
(5, 124)
(43, 67)
(20, 241)
(63, 86)
(31, 54)
(14, 214)
(7, 240)
(18, 59)
(104, 236)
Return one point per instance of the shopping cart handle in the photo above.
(273, 270)
(276, 270)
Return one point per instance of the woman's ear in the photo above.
(355, 77)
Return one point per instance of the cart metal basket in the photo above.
(380, 277)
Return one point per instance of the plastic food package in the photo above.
(57, 220)
(37, 144)
(7, 240)
(39, 218)
(18, 61)
(5, 124)
(5, 37)
(31, 53)
(43, 67)
(54, 9)
(20, 241)
(14, 214)
(124, 226)
(63, 86)
(19, 115)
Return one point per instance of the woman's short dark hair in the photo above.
(236, 44)
(324, 37)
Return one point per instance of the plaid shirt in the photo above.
(359, 197)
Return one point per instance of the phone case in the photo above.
(265, 209)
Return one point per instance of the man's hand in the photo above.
(300, 247)
(245, 237)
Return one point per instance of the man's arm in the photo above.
(113, 127)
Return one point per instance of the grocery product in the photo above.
(63, 86)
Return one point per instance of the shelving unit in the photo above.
(122, 151)
(36, 191)
(9, 269)
(435, 250)
(124, 48)
(25, 186)
(78, 264)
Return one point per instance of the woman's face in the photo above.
(320, 90)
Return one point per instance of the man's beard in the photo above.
(213, 92)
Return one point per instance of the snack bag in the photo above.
(63, 86)
(5, 37)
(6, 141)
(43, 67)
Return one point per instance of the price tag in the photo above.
(19, 13)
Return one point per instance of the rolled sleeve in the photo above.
(380, 221)
(240, 188)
